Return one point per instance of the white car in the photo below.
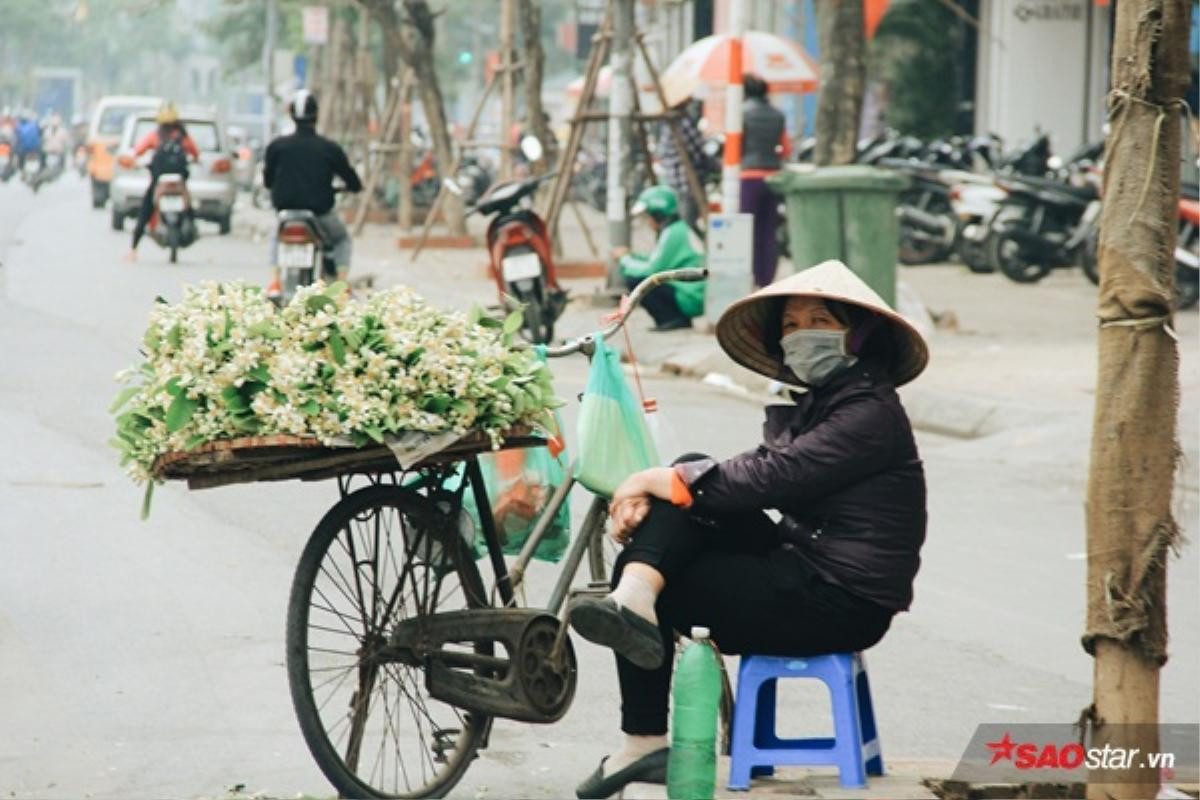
(210, 183)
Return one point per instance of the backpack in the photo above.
(169, 157)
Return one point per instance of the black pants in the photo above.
(660, 302)
(752, 593)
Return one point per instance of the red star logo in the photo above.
(1001, 749)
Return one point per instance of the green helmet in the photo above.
(657, 201)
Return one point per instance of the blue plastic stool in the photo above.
(756, 749)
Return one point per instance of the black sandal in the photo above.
(650, 768)
(603, 621)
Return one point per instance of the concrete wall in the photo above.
(1043, 65)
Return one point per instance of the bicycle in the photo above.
(377, 681)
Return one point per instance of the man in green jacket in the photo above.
(674, 304)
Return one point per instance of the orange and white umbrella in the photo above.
(603, 84)
(780, 62)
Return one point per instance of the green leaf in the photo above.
(228, 324)
(336, 289)
(337, 346)
(311, 408)
(260, 373)
(512, 323)
(360, 439)
(233, 398)
(180, 413)
(353, 340)
(152, 339)
(375, 432)
(490, 322)
(317, 302)
(146, 498)
(265, 329)
(438, 403)
(119, 444)
(474, 314)
(123, 397)
(175, 336)
(195, 441)
(414, 356)
(173, 388)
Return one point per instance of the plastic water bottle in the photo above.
(692, 766)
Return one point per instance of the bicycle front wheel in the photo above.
(381, 555)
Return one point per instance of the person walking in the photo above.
(764, 143)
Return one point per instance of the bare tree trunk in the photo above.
(1134, 448)
(415, 46)
(843, 78)
(534, 62)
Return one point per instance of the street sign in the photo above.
(730, 253)
(316, 24)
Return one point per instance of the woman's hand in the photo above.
(626, 516)
(631, 501)
(619, 250)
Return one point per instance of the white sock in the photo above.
(636, 594)
(632, 749)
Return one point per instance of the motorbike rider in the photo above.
(299, 170)
(172, 149)
(28, 136)
(674, 304)
(56, 138)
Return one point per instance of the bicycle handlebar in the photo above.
(586, 343)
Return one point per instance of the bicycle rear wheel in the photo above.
(381, 555)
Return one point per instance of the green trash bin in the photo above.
(847, 213)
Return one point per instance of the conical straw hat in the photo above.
(740, 330)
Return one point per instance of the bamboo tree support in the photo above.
(436, 206)
(601, 43)
(391, 122)
(689, 169)
(587, 234)
(562, 181)
(506, 88)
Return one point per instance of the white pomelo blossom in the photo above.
(225, 363)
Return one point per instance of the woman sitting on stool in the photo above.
(839, 464)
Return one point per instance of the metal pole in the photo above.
(269, 70)
(620, 134)
(506, 94)
(731, 173)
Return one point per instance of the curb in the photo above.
(947, 413)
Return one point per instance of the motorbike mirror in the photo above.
(531, 146)
(454, 188)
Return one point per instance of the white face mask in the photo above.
(816, 355)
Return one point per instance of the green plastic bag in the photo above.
(519, 484)
(614, 441)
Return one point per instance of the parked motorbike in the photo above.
(474, 178)
(1042, 224)
(518, 243)
(927, 223)
(172, 225)
(975, 202)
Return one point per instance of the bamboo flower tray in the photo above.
(285, 457)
